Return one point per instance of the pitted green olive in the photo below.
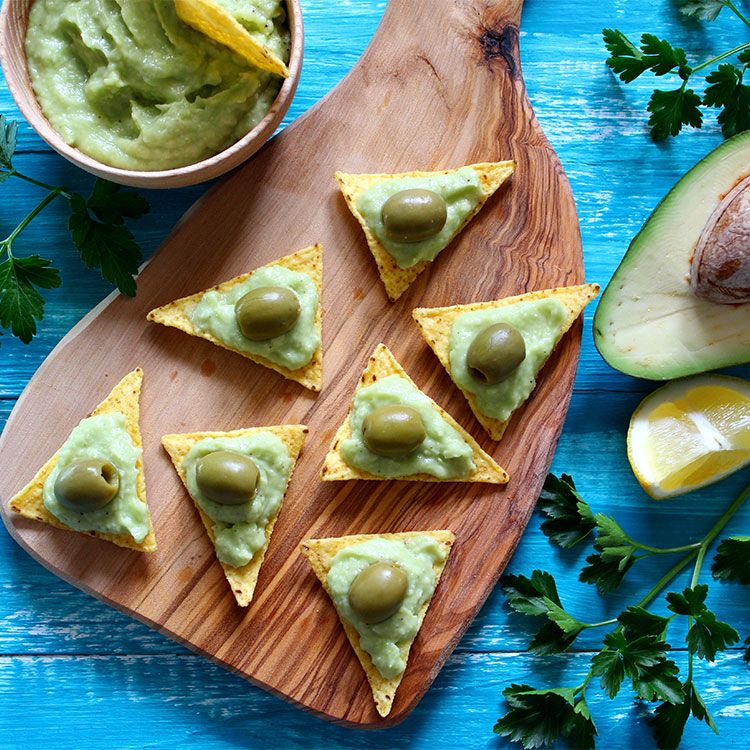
(227, 477)
(496, 352)
(266, 312)
(87, 484)
(378, 592)
(413, 215)
(393, 430)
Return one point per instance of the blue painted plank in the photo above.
(168, 702)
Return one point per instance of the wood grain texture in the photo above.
(527, 238)
(154, 693)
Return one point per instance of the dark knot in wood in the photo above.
(501, 43)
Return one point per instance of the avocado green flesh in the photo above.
(649, 324)
(416, 556)
(215, 314)
(443, 453)
(240, 530)
(538, 321)
(131, 85)
(103, 436)
(461, 191)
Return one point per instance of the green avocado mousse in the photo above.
(395, 431)
(238, 480)
(94, 484)
(381, 586)
(133, 86)
(494, 351)
(272, 316)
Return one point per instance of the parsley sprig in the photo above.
(671, 109)
(635, 650)
(96, 227)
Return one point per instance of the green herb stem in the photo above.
(729, 4)
(712, 60)
(52, 188)
(666, 550)
(8, 241)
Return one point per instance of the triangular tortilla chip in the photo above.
(124, 398)
(309, 261)
(382, 363)
(436, 323)
(396, 279)
(242, 580)
(217, 23)
(320, 554)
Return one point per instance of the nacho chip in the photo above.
(396, 279)
(29, 502)
(242, 580)
(218, 24)
(320, 554)
(309, 261)
(436, 324)
(382, 363)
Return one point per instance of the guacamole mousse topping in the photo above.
(271, 315)
(396, 431)
(414, 218)
(133, 86)
(93, 486)
(380, 587)
(496, 353)
(239, 483)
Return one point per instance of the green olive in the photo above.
(413, 215)
(267, 312)
(87, 484)
(393, 430)
(227, 478)
(496, 352)
(378, 591)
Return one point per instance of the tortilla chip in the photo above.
(382, 363)
(395, 278)
(29, 502)
(436, 324)
(320, 554)
(243, 579)
(309, 261)
(218, 24)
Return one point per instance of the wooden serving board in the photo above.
(440, 86)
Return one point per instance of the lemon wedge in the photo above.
(690, 433)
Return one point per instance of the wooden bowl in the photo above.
(14, 19)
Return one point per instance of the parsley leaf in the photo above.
(569, 519)
(8, 134)
(670, 110)
(638, 621)
(662, 58)
(111, 205)
(669, 719)
(537, 718)
(625, 59)
(703, 10)
(707, 634)
(614, 555)
(537, 597)
(732, 560)
(21, 304)
(746, 655)
(727, 91)
(643, 660)
(106, 245)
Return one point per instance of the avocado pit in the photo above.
(720, 269)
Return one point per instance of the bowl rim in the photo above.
(188, 174)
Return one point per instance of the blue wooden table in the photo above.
(76, 674)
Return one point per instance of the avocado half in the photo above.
(650, 323)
